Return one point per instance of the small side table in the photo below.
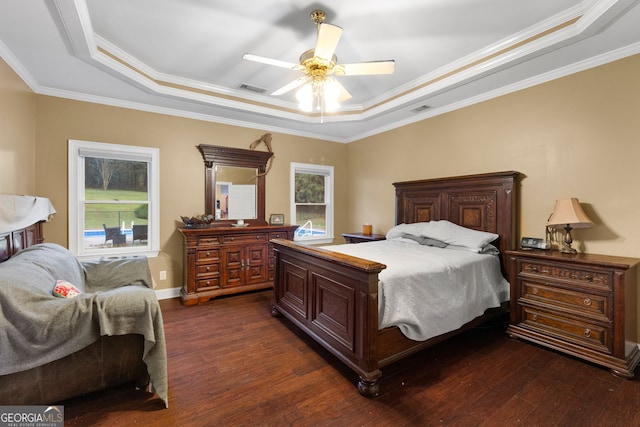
(360, 238)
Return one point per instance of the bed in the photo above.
(333, 296)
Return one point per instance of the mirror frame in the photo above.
(213, 156)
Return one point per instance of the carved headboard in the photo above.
(485, 202)
(13, 241)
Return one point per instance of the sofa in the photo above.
(70, 327)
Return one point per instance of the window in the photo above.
(113, 199)
(312, 202)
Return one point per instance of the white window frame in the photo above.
(80, 149)
(327, 171)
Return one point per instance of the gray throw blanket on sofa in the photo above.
(37, 327)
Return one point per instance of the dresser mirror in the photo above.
(234, 184)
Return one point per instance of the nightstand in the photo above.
(583, 305)
(360, 238)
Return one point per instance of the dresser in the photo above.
(581, 304)
(224, 260)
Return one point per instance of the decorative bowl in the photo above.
(198, 221)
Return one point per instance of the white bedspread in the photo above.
(17, 212)
(427, 291)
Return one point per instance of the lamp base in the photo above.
(568, 240)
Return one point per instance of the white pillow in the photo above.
(447, 232)
(454, 234)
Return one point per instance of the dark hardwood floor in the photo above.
(232, 364)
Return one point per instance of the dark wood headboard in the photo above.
(14, 241)
(485, 202)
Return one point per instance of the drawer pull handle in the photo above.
(587, 333)
(208, 283)
(534, 291)
(587, 301)
(535, 317)
(588, 278)
(208, 254)
(535, 269)
(208, 268)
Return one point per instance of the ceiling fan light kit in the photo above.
(319, 91)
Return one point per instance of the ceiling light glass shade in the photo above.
(319, 95)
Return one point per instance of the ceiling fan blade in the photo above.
(363, 68)
(328, 38)
(269, 61)
(344, 93)
(292, 85)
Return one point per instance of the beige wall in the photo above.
(578, 136)
(17, 134)
(181, 164)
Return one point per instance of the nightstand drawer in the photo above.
(579, 332)
(593, 305)
(580, 276)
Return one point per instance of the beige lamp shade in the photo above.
(569, 212)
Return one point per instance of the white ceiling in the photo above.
(184, 57)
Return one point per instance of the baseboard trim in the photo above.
(168, 293)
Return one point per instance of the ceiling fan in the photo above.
(320, 63)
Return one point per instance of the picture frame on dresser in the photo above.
(276, 219)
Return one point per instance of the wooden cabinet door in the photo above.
(256, 263)
(233, 266)
(244, 264)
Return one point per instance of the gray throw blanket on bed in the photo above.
(37, 327)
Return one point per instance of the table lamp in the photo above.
(568, 214)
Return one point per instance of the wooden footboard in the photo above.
(334, 299)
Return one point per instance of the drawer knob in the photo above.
(587, 333)
(588, 278)
(587, 301)
(208, 268)
(534, 317)
(534, 291)
(534, 269)
(208, 254)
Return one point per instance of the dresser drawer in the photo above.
(207, 255)
(579, 332)
(589, 304)
(244, 238)
(209, 240)
(278, 235)
(208, 284)
(581, 276)
(208, 269)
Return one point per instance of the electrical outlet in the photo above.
(163, 275)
